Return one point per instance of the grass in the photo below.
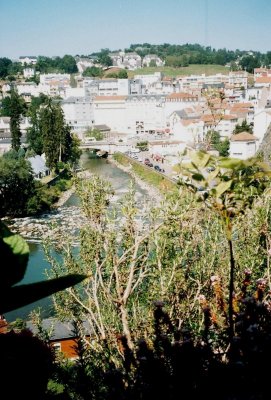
(147, 174)
(193, 69)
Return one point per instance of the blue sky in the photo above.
(58, 27)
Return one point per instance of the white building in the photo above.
(167, 147)
(131, 61)
(243, 145)
(145, 114)
(28, 60)
(28, 72)
(238, 79)
(28, 87)
(262, 120)
(154, 59)
(78, 113)
(110, 110)
(148, 80)
(83, 64)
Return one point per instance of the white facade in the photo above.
(55, 79)
(74, 92)
(179, 101)
(145, 114)
(152, 57)
(110, 110)
(78, 113)
(238, 79)
(26, 60)
(167, 147)
(262, 120)
(148, 80)
(243, 146)
(83, 64)
(29, 72)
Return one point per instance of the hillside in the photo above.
(193, 69)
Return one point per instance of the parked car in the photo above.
(146, 161)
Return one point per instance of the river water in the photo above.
(37, 263)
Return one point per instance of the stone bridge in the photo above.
(108, 147)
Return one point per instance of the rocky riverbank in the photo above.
(151, 190)
(68, 220)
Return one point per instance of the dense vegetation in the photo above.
(20, 194)
(178, 303)
(177, 295)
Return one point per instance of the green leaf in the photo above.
(200, 159)
(230, 163)
(212, 175)
(198, 177)
(21, 295)
(222, 188)
(14, 252)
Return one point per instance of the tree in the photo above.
(214, 140)
(93, 71)
(243, 127)
(94, 132)
(16, 111)
(34, 132)
(56, 135)
(152, 63)
(249, 63)
(68, 64)
(5, 63)
(104, 58)
(6, 106)
(122, 74)
(16, 185)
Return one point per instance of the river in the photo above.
(37, 263)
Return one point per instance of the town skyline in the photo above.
(54, 29)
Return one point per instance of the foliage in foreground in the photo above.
(201, 259)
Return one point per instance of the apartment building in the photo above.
(78, 113)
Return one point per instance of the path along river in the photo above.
(65, 217)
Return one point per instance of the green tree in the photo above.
(17, 185)
(93, 71)
(56, 135)
(123, 74)
(34, 133)
(15, 68)
(5, 63)
(68, 64)
(214, 141)
(249, 63)
(243, 127)
(104, 58)
(6, 106)
(94, 132)
(16, 110)
(152, 63)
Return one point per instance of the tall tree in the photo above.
(34, 133)
(16, 111)
(56, 135)
(5, 63)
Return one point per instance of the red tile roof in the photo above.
(243, 137)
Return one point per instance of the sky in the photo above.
(59, 27)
